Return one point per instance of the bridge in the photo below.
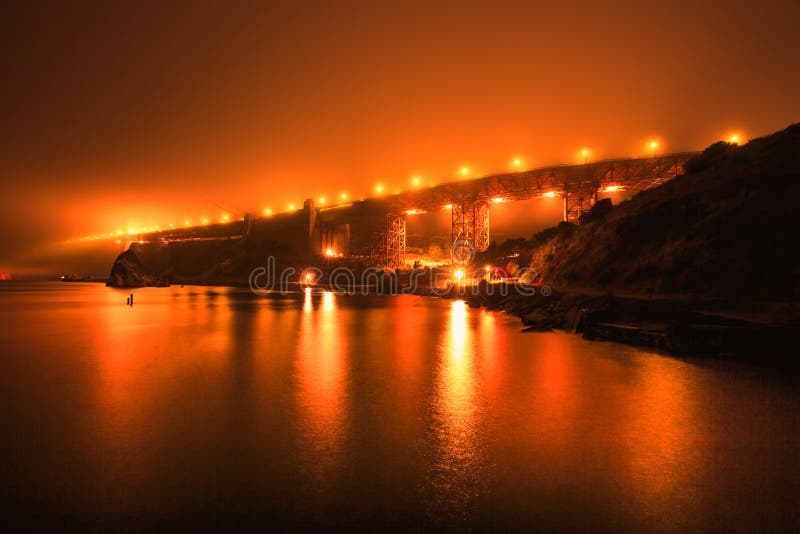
(470, 200)
(313, 231)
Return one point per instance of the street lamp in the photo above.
(585, 155)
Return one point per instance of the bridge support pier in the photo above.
(578, 199)
(470, 224)
(388, 242)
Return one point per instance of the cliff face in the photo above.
(727, 228)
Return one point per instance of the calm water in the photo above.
(212, 406)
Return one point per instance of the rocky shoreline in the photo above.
(680, 326)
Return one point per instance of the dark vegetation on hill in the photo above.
(726, 228)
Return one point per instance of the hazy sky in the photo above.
(117, 115)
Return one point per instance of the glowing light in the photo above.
(308, 278)
(119, 232)
(464, 171)
(653, 145)
(322, 201)
(131, 231)
(447, 207)
(414, 211)
(205, 220)
(611, 188)
(415, 181)
(487, 268)
(499, 200)
(187, 222)
(343, 196)
(734, 138)
(516, 163)
(458, 275)
(267, 212)
(379, 189)
(549, 194)
(225, 217)
(291, 207)
(330, 253)
(585, 152)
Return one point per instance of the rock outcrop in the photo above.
(127, 272)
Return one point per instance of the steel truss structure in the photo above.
(578, 199)
(577, 185)
(395, 240)
(629, 174)
(470, 224)
(388, 241)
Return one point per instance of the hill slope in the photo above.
(726, 228)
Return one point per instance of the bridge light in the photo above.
(308, 277)
(464, 171)
(447, 207)
(734, 139)
(205, 220)
(343, 196)
(516, 163)
(322, 200)
(415, 181)
(611, 188)
(458, 275)
(414, 211)
(329, 253)
(379, 189)
(225, 217)
(585, 154)
(187, 223)
(291, 207)
(488, 268)
(267, 212)
(499, 200)
(549, 194)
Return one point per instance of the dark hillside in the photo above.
(726, 228)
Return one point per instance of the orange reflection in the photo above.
(321, 379)
(135, 361)
(456, 476)
(661, 431)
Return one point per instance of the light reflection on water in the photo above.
(404, 411)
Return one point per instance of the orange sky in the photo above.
(115, 116)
